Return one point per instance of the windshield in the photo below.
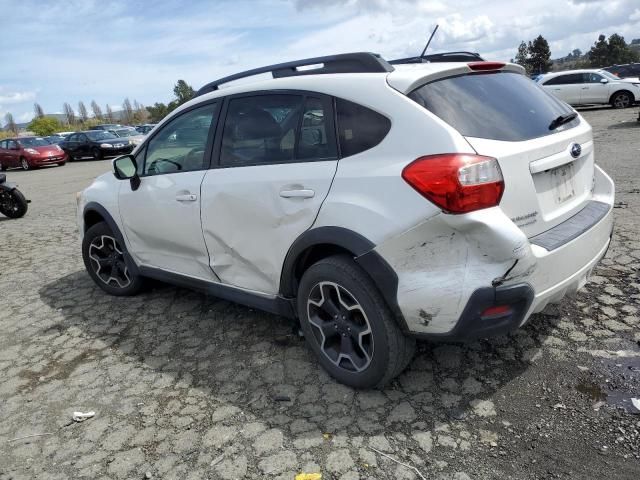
(499, 106)
(126, 132)
(33, 142)
(99, 135)
(608, 75)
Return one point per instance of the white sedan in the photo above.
(591, 87)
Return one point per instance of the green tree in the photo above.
(157, 112)
(611, 51)
(183, 92)
(539, 55)
(522, 57)
(44, 126)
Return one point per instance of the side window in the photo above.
(12, 144)
(260, 129)
(3, 144)
(593, 77)
(180, 145)
(317, 135)
(82, 138)
(359, 128)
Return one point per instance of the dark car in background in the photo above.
(97, 144)
(30, 152)
(146, 128)
(106, 126)
(55, 139)
(629, 70)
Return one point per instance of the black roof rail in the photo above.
(359, 62)
(441, 57)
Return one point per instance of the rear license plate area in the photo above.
(563, 183)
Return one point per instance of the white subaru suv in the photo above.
(372, 203)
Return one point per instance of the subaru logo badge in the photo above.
(576, 150)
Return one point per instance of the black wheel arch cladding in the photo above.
(362, 250)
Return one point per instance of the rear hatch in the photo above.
(547, 168)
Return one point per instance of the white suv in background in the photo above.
(373, 203)
(592, 87)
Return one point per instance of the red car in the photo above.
(29, 152)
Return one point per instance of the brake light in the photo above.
(484, 66)
(457, 183)
(496, 312)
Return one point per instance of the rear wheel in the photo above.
(97, 154)
(13, 204)
(348, 325)
(622, 100)
(105, 260)
(24, 163)
(3, 167)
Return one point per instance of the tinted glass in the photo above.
(180, 145)
(260, 129)
(592, 78)
(359, 128)
(34, 142)
(499, 106)
(316, 133)
(3, 144)
(572, 79)
(98, 135)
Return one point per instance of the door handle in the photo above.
(302, 193)
(189, 197)
(585, 88)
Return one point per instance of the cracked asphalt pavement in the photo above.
(188, 386)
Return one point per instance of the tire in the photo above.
(62, 164)
(97, 154)
(112, 272)
(3, 167)
(13, 204)
(24, 163)
(362, 324)
(622, 100)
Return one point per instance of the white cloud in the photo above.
(10, 98)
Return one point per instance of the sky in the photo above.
(53, 52)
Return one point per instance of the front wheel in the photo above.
(24, 163)
(105, 261)
(621, 100)
(61, 164)
(348, 325)
(13, 204)
(97, 154)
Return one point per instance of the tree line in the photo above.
(131, 114)
(535, 55)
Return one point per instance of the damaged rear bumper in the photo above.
(451, 269)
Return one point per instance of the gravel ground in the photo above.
(188, 386)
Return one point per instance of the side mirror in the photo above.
(604, 80)
(126, 168)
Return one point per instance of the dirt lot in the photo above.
(188, 386)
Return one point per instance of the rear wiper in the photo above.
(561, 120)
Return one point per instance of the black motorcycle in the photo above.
(12, 201)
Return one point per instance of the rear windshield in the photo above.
(499, 106)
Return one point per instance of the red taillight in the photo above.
(496, 311)
(484, 66)
(457, 183)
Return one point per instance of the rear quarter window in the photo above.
(359, 128)
(499, 106)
